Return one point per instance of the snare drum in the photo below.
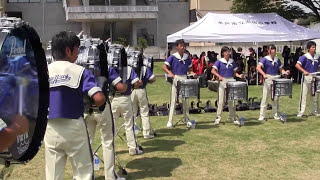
(281, 87)
(315, 85)
(213, 85)
(236, 90)
(188, 88)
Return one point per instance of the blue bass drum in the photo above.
(24, 87)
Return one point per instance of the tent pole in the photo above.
(257, 63)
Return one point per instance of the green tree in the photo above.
(313, 5)
(122, 41)
(142, 44)
(281, 7)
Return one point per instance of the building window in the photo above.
(53, 1)
(24, 1)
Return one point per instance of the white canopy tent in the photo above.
(263, 27)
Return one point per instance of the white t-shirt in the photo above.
(2, 124)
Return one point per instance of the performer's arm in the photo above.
(260, 70)
(214, 72)
(121, 87)
(300, 68)
(167, 70)
(137, 84)
(8, 135)
(283, 71)
(99, 99)
(191, 72)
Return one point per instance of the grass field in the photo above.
(267, 150)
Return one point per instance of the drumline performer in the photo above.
(66, 135)
(95, 118)
(307, 64)
(177, 66)
(225, 69)
(269, 68)
(122, 106)
(139, 100)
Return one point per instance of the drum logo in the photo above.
(17, 51)
(22, 143)
(59, 78)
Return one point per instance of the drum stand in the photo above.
(141, 128)
(123, 170)
(185, 119)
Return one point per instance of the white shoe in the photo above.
(189, 124)
(148, 136)
(120, 178)
(169, 124)
(276, 117)
(261, 118)
(133, 151)
(315, 114)
(236, 122)
(299, 115)
(217, 121)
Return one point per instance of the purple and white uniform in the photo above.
(309, 63)
(178, 65)
(66, 132)
(225, 68)
(271, 66)
(121, 105)
(67, 90)
(148, 75)
(115, 78)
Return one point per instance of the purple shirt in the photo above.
(307, 64)
(67, 102)
(223, 70)
(114, 78)
(148, 76)
(269, 68)
(178, 67)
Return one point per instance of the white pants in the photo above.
(221, 100)
(266, 94)
(68, 138)
(174, 97)
(140, 100)
(122, 106)
(104, 121)
(305, 92)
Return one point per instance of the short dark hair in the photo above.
(271, 46)
(224, 49)
(311, 43)
(179, 41)
(63, 40)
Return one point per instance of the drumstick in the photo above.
(22, 82)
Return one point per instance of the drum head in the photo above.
(24, 87)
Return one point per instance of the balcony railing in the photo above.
(111, 9)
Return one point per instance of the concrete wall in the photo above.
(54, 18)
(211, 5)
(173, 16)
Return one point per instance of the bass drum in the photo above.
(24, 87)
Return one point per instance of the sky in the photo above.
(301, 6)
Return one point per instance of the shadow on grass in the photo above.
(205, 125)
(161, 145)
(252, 122)
(152, 167)
(172, 131)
